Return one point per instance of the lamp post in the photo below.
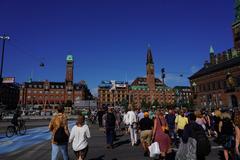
(163, 77)
(4, 38)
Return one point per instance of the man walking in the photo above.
(132, 122)
(59, 128)
(146, 126)
(109, 123)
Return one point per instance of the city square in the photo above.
(120, 80)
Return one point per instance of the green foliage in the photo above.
(144, 105)
(124, 103)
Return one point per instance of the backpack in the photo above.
(60, 136)
(203, 144)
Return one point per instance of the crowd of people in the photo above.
(175, 130)
(172, 128)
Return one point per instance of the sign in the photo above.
(8, 80)
(85, 103)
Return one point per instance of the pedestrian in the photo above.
(200, 120)
(125, 121)
(60, 134)
(159, 134)
(109, 123)
(146, 126)
(226, 130)
(132, 122)
(118, 121)
(180, 122)
(78, 137)
(170, 118)
(237, 134)
(140, 115)
(193, 130)
(99, 115)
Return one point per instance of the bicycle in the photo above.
(21, 129)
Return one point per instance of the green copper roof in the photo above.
(69, 58)
(139, 87)
(211, 49)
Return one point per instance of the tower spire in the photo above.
(149, 56)
(211, 49)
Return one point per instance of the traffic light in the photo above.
(163, 73)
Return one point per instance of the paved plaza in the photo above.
(36, 145)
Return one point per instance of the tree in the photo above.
(144, 105)
(124, 103)
(155, 103)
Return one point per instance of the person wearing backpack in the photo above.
(59, 128)
(195, 131)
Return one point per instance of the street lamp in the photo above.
(4, 38)
(163, 77)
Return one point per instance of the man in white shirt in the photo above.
(132, 122)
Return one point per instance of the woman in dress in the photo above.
(159, 134)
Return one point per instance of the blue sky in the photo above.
(108, 38)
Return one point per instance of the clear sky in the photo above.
(108, 38)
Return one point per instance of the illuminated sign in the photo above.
(8, 80)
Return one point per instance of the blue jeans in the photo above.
(62, 148)
(110, 135)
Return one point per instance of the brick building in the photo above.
(150, 88)
(48, 95)
(217, 83)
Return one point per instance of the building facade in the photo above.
(150, 89)
(183, 95)
(217, 83)
(113, 93)
(9, 94)
(46, 96)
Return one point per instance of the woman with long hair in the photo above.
(159, 134)
(78, 137)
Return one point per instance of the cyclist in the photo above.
(15, 120)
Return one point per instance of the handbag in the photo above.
(164, 128)
(154, 150)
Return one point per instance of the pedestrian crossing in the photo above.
(32, 137)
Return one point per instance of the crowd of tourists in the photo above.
(183, 132)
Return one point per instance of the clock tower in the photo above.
(150, 70)
(69, 79)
